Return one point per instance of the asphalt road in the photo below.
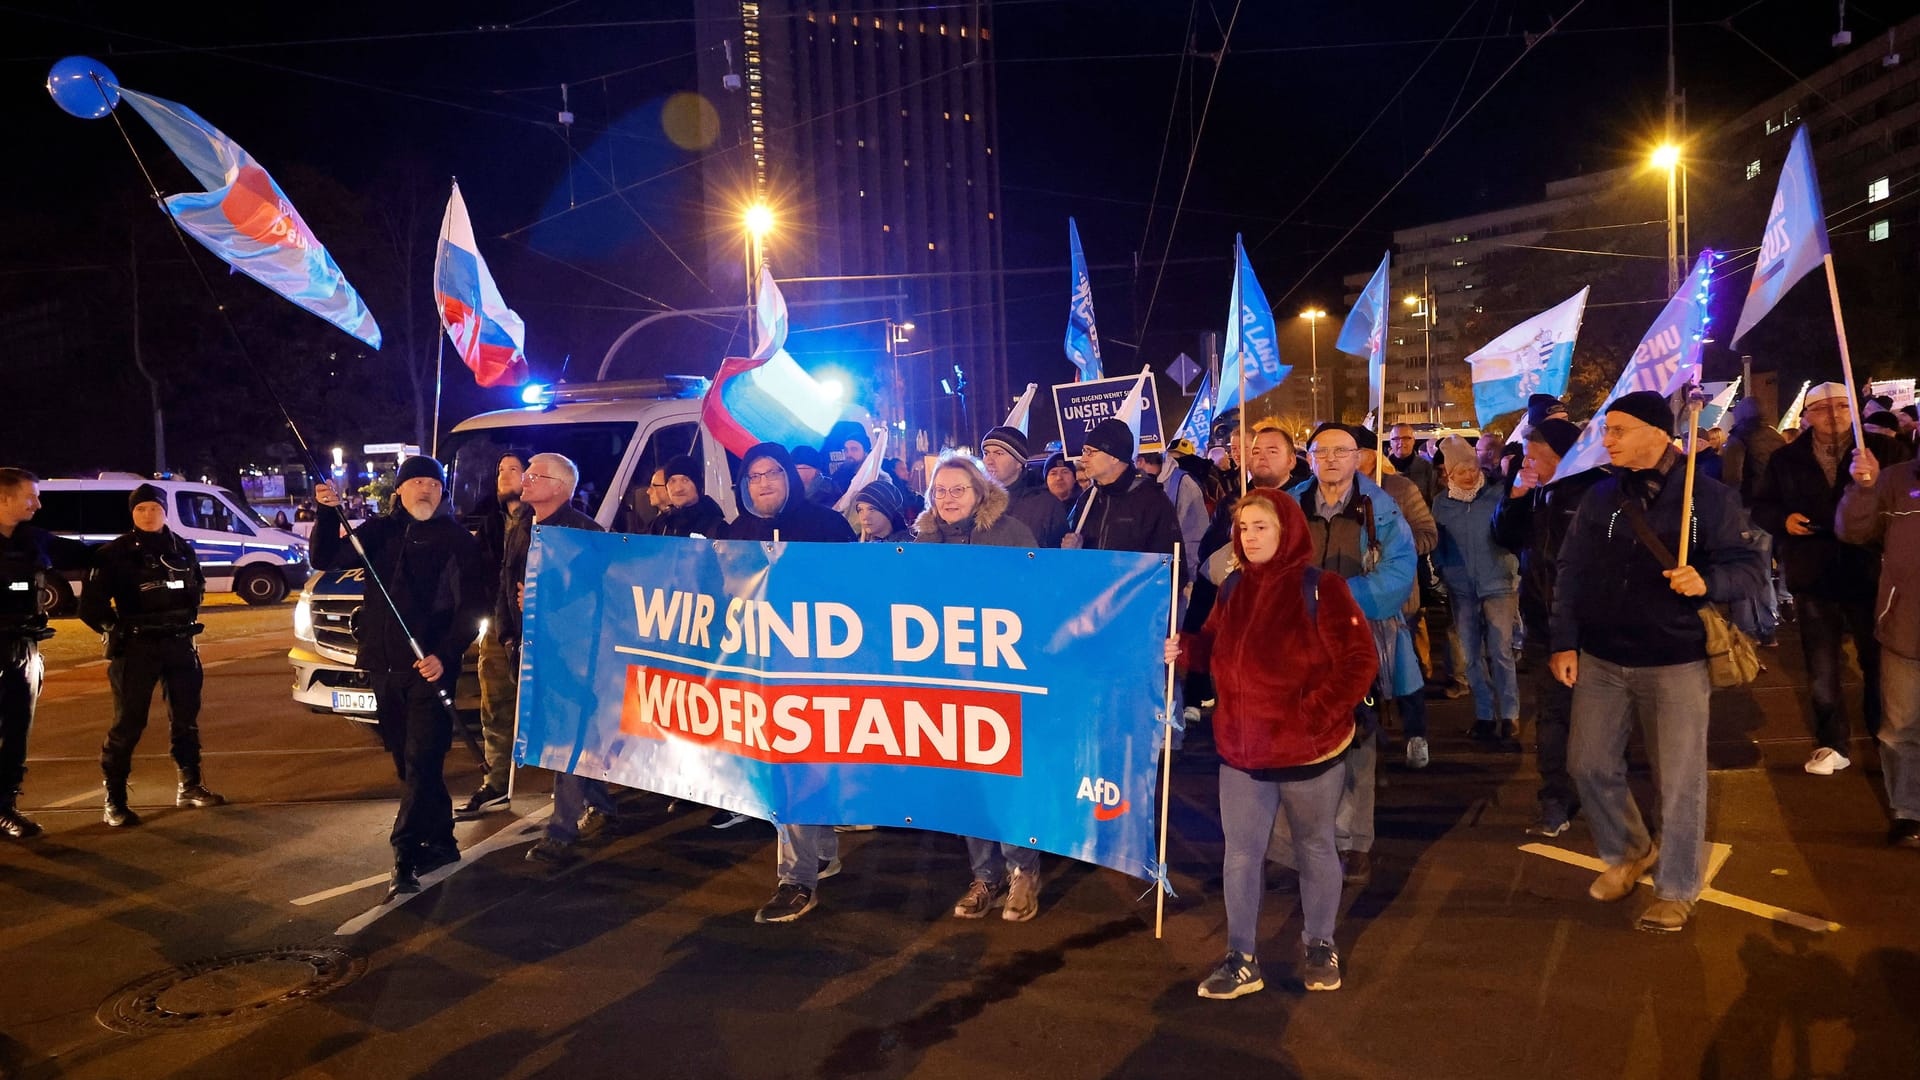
(1466, 956)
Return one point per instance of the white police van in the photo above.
(617, 433)
(237, 549)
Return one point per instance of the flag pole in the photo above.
(1846, 364)
(1686, 492)
(1246, 451)
(1166, 750)
(439, 370)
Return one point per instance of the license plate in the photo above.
(353, 701)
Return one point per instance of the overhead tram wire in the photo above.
(1532, 44)
(1166, 138)
(1193, 155)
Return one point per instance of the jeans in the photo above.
(992, 859)
(1249, 810)
(418, 733)
(1353, 820)
(1413, 714)
(1485, 626)
(801, 849)
(1671, 702)
(1552, 716)
(499, 695)
(1900, 734)
(1823, 625)
(20, 677)
(571, 796)
(173, 663)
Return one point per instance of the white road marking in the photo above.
(524, 830)
(1715, 861)
(338, 890)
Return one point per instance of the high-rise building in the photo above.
(868, 128)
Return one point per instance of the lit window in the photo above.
(1477, 308)
(863, 142)
(886, 228)
(1877, 190)
(1461, 238)
(968, 117)
(929, 245)
(904, 163)
(903, 112)
(1879, 229)
(1468, 285)
(1753, 169)
(946, 116)
(1459, 262)
(989, 215)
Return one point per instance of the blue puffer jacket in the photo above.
(1469, 561)
(1378, 563)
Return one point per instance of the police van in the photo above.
(616, 432)
(237, 549)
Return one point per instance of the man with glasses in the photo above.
(1122, 509)
(1832, 582)
(774, 504)
(1402, 452)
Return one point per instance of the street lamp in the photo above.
(758, 221)
(1667, 156)
(898, 334)
(1313, 317)
(1423, 309)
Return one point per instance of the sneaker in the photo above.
(1417, 753)
(1456, 691)
(789, 902)
(1665, 917)
(1553, 821)
(402, 882)
(552, 853)
(1482, 731)
(726, 819)
(431, 857)
(1023, 897)
(15, 825)
(1508, 738)
(1905, 832)
(1320, 968)
(593, 822)
(981, 897)
(1616, 882)
(1826, 761)
(1190, 714)
(1237, 976)
(1356, 867)
(484, 801)
(828, 868)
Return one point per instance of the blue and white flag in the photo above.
(1796, 238)
(1250, 365)
(1665, 360)
(1198, 426)
(1534, 357)
(1716, 413)
(1083, 340)
(1365, 331)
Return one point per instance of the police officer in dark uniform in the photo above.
(144, 594)
(27, 553)
(435, 573)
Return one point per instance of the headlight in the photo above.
(303, 620)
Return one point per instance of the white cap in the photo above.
(1829, 391)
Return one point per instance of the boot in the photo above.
(193, 793)
(15, 825)
(117, 813)
(403, 881)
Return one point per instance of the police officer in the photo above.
(144, 595)
(27, 553)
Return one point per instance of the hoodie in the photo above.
(990, 526)
(1286, 685)
(797, 519)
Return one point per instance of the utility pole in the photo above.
(139, 361)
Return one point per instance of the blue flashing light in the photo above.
(536, 394)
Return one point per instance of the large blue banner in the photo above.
(1005, 694)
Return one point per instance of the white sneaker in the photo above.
(1417, 753)
(1826, 761)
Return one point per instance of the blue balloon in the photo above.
(73, 86)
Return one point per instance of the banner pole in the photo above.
(1846, 364)
(1246, 451)
(1686, 492)
(439, 374)
(1166, 750)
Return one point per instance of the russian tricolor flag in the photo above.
(489, 337)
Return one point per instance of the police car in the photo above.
(237, 549)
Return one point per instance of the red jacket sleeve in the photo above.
(1353, 660)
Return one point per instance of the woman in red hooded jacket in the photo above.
(1291, 656)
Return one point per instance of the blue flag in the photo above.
(1198, 426)
(1083, 341)
(1666, 359)
(1365, 331)
(1532, 358)
(245, 219)
(1253, 344)
(1796, 237)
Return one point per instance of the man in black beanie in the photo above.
(1122, 510)
(690, 510)
(1004, 453)
(437, 578)
(144, 595)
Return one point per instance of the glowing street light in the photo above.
(1666, 156)
(759, 219)
(1313, 317)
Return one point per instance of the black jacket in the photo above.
(146, 580)
(1818, 565)
(435, 573)
(1611, 597)
(704, 517)
(1130, 514)
(798, 519)
(513, 567)
(1533, 526)
(1034, 506)
(25, 558)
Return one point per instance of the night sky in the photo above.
(389, 100)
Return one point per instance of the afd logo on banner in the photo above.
(1001, 694)
(1081, 405)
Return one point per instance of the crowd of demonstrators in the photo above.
(1291, 655)
(1270, 460)
(1483, 584)
(1629, 639)
(1882, 506)
(434, 574)
(853, 453)
(1532, 521)
(1410, 706)
(1832, 582)
(1189, 503)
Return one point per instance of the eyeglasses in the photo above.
(1331, 454)
(764, 476)
(537, 476)
(942, 491)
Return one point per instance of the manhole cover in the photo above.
(238, 988)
